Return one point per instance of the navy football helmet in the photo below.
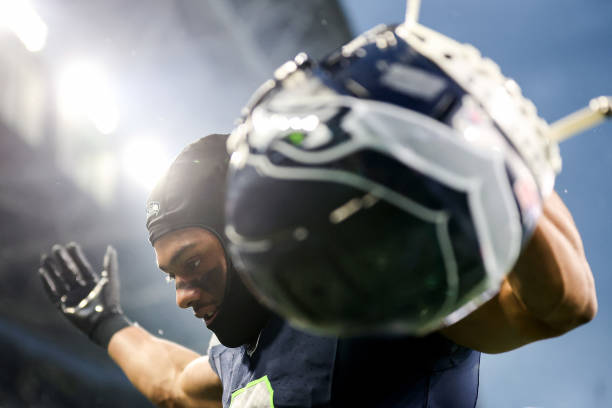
(389, 187)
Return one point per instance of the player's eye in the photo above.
(193, 265)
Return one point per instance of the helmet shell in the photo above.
(374, 192)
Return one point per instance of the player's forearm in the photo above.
(552, 278)
(549, 292)
(153, 365)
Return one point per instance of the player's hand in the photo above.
(90, 301)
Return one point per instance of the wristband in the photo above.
(105, 330)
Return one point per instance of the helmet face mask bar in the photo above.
(388, 188)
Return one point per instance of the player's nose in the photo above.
(186, 296)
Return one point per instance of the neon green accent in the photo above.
(263, 379)
(296, 138)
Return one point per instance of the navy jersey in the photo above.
(289, 368)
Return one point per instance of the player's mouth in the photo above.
(208, 314)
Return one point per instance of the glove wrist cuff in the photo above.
(104, 331)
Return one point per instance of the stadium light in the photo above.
(22, 19)
(86, 90)
(144, 161)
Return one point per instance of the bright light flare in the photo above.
(145, 161)
(85, 89)
(23, 20)
(105, 173)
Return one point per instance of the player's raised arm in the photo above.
(166, 373)
(549, 291)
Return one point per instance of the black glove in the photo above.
(89, 301)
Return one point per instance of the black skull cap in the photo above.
(192, 191)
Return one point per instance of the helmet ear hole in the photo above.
(376, 192)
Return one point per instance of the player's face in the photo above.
(195, 259)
